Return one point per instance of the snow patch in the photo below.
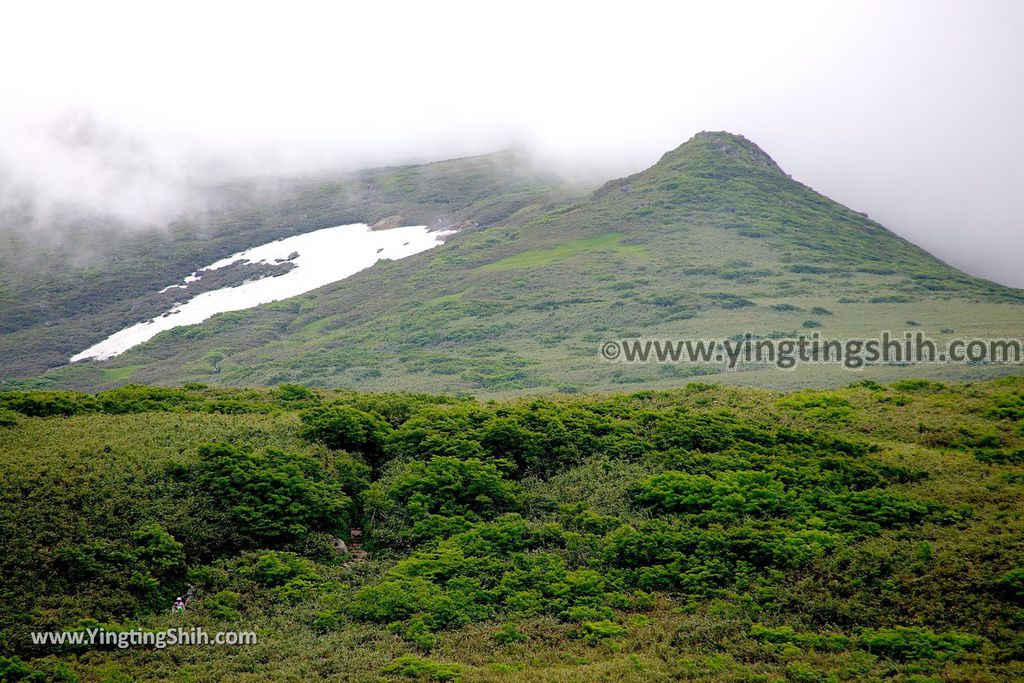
(320, 257)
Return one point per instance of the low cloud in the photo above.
(910, 112)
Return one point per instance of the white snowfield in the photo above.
(324, 256)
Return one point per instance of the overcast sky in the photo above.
(910, 111)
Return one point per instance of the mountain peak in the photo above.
(710, 155)
(717, 146)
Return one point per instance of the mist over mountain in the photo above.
(715, 239)
(919, 130)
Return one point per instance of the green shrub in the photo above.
(798, 672)
(705, 433)
(290, 393)
(508, 634)
(596, 631)
(914, 644)
(393, 600)
(424, 669)
(499, 513)
(236, 406)
(1011, 585)
(273, 497)
(1000, 456)
(804, 639)
(136, 398)
(13, 669)
(914, 385)
(732, 494)
(818, 405)
(879, 506)
(449, 486)
(346, 428)
(1009, 407)
(275, 569)
(161, 553)
(48, 403)
(224, 605)
(284, 575)
(418, 632)
(424, 500)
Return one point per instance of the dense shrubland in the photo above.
(867, 533)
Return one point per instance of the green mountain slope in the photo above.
(714, 240)
(80, 277)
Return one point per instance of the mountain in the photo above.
(79, 277)
(713, 241)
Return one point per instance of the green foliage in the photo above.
(155, 547)
(1000, 456)
(424, 669)
(818, 405)
(537, 437)
(708, 509)
(508, 634)
(449, 486)
(136, 398)
(804, 639)
(803, 673)
(597, 631)
(419, 500)
(276, 569)
(272, 497)
(13, 669)
(347, 428)
(732, 495)
(294, 393)
(1011, 584)
(878, 506)
(144, 570)
(1009, 407)
(503, 567)
(914, 385)
(913, 643)
(391, 601)
(224, 605)
(47, 403)
(706, 433)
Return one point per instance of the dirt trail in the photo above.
(355, 548)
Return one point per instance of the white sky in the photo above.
(911, 111)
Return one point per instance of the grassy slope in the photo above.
(703, 244)
(58, 297)
(97, 476)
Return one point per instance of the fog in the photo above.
(909, 111)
